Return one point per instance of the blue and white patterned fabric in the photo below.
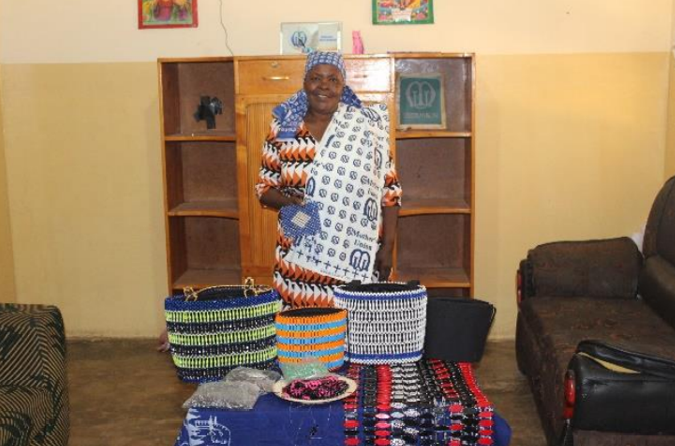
(291, 113)
(272, 421)
(325, 58)
(300, 220)
(346, 180)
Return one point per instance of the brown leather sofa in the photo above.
(603, 290)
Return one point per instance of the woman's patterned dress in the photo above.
(285, 166)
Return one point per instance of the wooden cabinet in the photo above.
(217, 232)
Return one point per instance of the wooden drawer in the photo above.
(279, 76)
(270, 76)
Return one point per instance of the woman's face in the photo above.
(323, 85)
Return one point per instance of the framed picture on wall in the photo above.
(306, 37)
(421, 101)
(167, 14)
(403, 12)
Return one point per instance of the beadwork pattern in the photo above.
(232, 326)
(429, 402)
(312, 332)
(386, 325)
(300, 220)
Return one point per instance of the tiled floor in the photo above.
(123, 392)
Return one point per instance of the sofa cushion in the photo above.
(560, 324)
(594, 268)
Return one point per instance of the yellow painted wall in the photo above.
(670, 141)
(6, 258)
(571, 134)
(569, 147)
(86, 203)
(95, 31)
(670, 137)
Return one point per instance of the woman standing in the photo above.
(327, 149)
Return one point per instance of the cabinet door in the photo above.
(258, 226)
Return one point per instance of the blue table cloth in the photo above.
(274, 421)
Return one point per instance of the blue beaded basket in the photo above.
(386, 321)
(217, 329)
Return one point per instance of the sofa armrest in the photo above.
(591, 268)
(33, 371)
(610, 389)
(33, 344)
(524, 284)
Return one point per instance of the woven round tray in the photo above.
(278, 390)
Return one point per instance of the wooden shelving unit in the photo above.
(200, 174)
(436, 226)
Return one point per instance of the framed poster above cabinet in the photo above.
(403, 12)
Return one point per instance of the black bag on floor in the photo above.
(457, 328)
(622, 391)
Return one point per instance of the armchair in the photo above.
(601, 290)
(33, 384)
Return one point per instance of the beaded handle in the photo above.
(249, 287)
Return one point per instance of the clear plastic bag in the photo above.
(264, 379)
(239, 391)
(307, 369)
(225, 395)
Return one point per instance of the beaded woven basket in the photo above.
(219, 328)
(386, 321)
(312, 332)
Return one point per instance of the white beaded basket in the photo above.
(386, 321)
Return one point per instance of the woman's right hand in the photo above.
(274, 199)
(295, 200)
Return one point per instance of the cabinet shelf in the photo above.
(409, 134)
(205, 135)
(435, 249)
(203, 251)
(435, 277)
(436, 174)
(212, 208)
(183, 85)
(201, 278)
(201, 178)
(434, 205)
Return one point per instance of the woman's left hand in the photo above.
(384, 262)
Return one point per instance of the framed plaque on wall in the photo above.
(421, 101)
(306, 37)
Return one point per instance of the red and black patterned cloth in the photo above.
(430, 402)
